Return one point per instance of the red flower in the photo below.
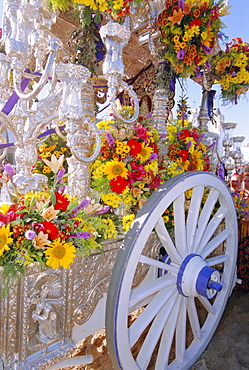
(183, 134)
(135, 147)
(155, 148)
(118, 184)
(183, 154)
(61, 202)
(48, 228)
(196, 22)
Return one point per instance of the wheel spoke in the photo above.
(204, 217)
(181, 331)
(211, 227)
(193, 214)
(154, 333)
(144, 293)
(215, 242)
(168, 335)
(218, 259)
(167, 242)
(193, 318)
(180, 227)
(205, 302)
(149, 313)
(161, 265)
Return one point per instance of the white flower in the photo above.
(55, 163)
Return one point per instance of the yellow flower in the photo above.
(89, 3)
(46, 169)
(105, 125)
(176, 38)
(57, 153)
(197, 155)
(102, 5)
(166, 218)
(185, 165)
(5, 238)
(60, 254)
(110, 230)
(188, 193)
(111, 199)
(114, 169)
(153, 166)
(127, 221)
(4, 208)
(185, 38)
(118, 4)
(145, 153)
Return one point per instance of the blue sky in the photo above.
(237, 26)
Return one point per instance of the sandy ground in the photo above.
(228, 349)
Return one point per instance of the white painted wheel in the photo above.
(177, 312)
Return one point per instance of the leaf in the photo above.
(136, 182)
(97, 18)
(32, 203)
(53, 198)
(22, 211)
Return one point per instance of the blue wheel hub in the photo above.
(196, 278)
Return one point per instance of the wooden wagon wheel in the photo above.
(177, 312)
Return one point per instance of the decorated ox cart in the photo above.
(160, 294)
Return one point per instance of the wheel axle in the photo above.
(195, 278)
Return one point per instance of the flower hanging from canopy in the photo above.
(232, 69)
(190, 30)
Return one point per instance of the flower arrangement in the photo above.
(190, 30)
(240, 204)
(53, 145)
(232, 69)
(186, 151)
(128, 169)
(50, 228)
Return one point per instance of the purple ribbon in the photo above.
(210, 102)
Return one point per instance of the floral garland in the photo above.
(118, 9)
(128, 169)
(50, 228)
(232, 69)
(190, 30)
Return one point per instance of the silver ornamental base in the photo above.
(44, 314)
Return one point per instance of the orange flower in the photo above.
(179, 68)
(177, 16)
(187, 8)
(197, 13)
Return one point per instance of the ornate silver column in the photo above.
(115, 36)
(82, 134)
(227, 144)
(237, 155)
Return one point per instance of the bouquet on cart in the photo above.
(128, 168)
(190, 30)
(49, 227)
(232, 70)
(185, 148)
(185, 152)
